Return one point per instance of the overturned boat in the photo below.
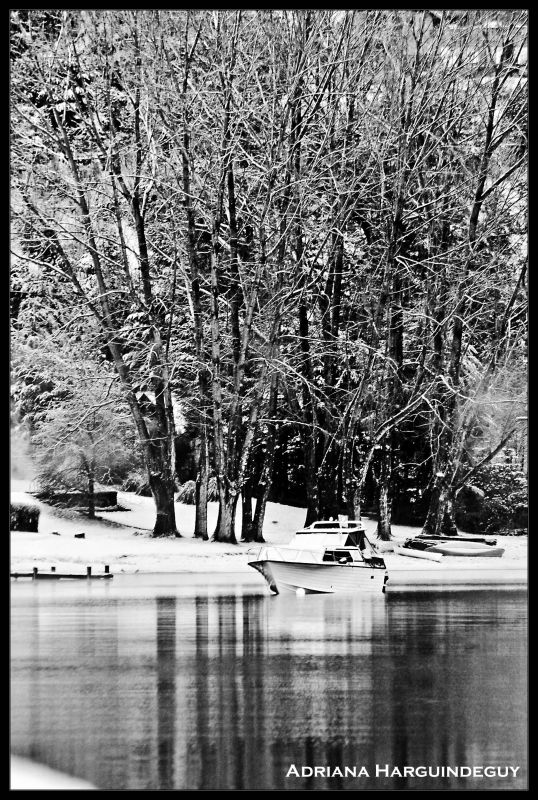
(326, 557)
(455, 546)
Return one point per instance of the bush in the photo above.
(500, 504)
(137, 483)
(23, 517)
(187, 492)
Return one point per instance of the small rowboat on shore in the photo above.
(407, 551)
(461, 550)
(471, 537)
(455, 547)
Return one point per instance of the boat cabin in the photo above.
(335, 533)
(340, 540)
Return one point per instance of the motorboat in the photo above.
(326, 557)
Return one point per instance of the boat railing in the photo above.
(299, 555)
(296, 555)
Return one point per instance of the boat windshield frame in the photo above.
(330, 527)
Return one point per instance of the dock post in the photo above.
(107, 569)
(88, 572)
(34, 573)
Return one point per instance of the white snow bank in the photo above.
(27, 775)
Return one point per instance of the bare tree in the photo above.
(84, 160)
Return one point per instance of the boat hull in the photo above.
(469, 538)
(473, 551)
(326, 578)
(425, 554)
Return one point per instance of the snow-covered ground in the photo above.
(27, 775)
(122, 539)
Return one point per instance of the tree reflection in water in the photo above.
(226, 691)
(166, 690)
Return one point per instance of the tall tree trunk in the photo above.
(156, 455)
(246, 512)
(162, 489)
(440, 516)
(448, 526)
(265, 482)
(91, 495)
(310, 438)
(384, 499)
(356, 484)
(352, 486)
(383, 504)
(354, 508)
(200, 524)
(224, 532)
(311, 479)
(161, 483)
(261, 504)
(225, 529)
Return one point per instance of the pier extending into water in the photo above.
(56, 576)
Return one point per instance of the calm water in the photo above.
(139, 684)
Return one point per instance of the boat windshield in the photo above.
(318, 530)
(357, 539)
(352, 526)
(326, 526)
(360, 540)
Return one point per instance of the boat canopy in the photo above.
(331, 526)
(333, 534)
(356, 538)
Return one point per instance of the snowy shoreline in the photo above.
(122, 539)
(28, 775)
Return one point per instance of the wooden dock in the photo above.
(35, 575)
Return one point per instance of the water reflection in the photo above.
(227, 691)
(166, 689)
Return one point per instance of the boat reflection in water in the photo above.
(227, 691)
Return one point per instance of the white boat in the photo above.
(404, 551)
(326, 557)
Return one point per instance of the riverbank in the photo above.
(123, 540)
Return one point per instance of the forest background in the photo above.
(273, 255)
